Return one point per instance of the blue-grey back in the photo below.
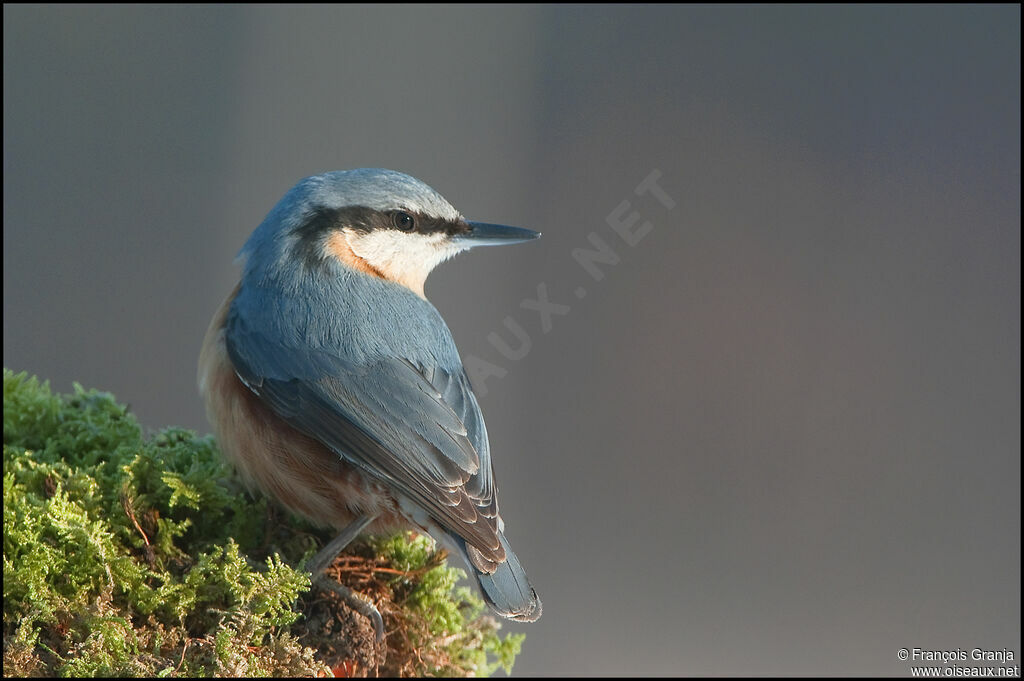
(358, 317)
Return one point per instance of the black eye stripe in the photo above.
(426, 224)
(322, 220)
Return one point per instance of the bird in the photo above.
(335, 387)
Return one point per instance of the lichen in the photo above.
(134, 556)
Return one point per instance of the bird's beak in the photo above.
(486, 234)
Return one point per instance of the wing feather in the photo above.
(416, 427)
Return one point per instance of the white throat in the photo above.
(405, 258)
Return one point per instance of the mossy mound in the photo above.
(127, 556)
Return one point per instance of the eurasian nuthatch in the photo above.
(335, 386)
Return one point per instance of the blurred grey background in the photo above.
(780, 436)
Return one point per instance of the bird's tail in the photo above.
(507, 590)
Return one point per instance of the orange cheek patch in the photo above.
(337, 246)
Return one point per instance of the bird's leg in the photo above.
(326, 556)
(331, 549)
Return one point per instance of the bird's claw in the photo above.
(357, 602)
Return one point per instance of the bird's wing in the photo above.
(418, 428)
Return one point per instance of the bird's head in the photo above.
(379, 222)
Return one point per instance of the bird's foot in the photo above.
(358, 602)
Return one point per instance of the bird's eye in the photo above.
(403, 221)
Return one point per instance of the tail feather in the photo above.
(507, 590)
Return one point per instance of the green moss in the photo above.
(127, 556)
(445, 626)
